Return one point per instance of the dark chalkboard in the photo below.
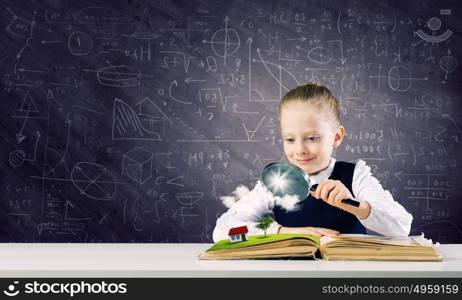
(125, 121)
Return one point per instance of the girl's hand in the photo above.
(332, 192)
(317, 231)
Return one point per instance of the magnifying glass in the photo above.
(283, 178)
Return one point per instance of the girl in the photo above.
(310, 128)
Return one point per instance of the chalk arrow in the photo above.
(20, 137)
(175, 83)
(189, 80)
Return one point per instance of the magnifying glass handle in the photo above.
(351, 202)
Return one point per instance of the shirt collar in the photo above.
(324, 174)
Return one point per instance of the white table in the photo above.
(180, 260)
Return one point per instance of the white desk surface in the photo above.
(180, 260)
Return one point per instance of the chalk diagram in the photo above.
(119, 76)
(272, 73)
(189, 198)
(151, 116)
(93, 180)
(434, 24)
(187, 201)
(225, 41)
(448, 64)
(400, 78)
(27, 110)
(18, 157)
(144, 29)
(22, 28)
(79, 43)
(137, 165)
(30, 69)
(28, 106)
(127, 124)
(212, 97)
(55, 162)
(250, 134)
(322, 55)
(174, 83)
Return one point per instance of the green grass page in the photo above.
(261, 239)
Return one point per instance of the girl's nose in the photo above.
(301, 148)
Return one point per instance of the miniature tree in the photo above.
(264, 223)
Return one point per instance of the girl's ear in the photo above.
(339, 135)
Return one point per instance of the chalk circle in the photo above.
(320, 55)
(448, 64)
(17, 158)
(229, 42)
(119, 76)
(399, 79)
(434, 23)
(189, 198)
(93, 180)
(79, 43)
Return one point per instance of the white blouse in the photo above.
(387, 216)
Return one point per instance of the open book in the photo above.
(341, 247)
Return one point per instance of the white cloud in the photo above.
(240, 192)
(288, 202)
(258, 195)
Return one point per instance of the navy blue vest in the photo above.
(317, 213)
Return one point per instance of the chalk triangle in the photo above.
(28, 104)
(50, 94)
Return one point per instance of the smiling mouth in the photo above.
(304, 160)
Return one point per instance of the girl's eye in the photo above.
(290, 140)
(313, 138)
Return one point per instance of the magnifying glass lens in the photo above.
(287, 179)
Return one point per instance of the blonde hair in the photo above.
(315, 94)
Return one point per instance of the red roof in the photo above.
(238, 230)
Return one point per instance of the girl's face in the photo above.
(309, 135)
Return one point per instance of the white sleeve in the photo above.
(387, 216)
(247, 211)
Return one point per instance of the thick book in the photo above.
(341, 247)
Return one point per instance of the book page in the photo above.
(372, 239)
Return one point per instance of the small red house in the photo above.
(238, 234)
